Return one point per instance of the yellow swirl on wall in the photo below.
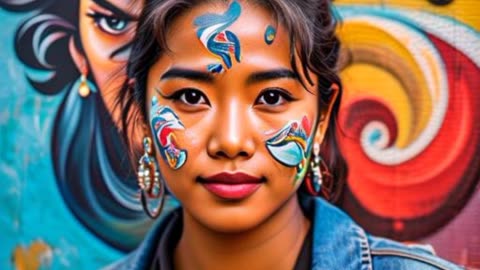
(381, 62)
(465, 11)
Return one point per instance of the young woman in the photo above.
(237, 101)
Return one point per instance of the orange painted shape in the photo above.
(32, 257)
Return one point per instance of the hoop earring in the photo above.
(149, 181)
(318, 172)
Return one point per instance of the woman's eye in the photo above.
(273, 98)
(110, 24)
(191, 97)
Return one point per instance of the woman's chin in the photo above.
(234, 216)
(231, 220)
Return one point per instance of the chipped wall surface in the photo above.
(409, 120)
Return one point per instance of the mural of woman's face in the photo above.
(106, 29)
(232, 123)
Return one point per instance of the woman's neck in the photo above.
(274, 244)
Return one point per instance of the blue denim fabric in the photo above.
(338, 243)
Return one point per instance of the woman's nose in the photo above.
(232, 136)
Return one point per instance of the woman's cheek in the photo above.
(291, 145)
(193, 138)
(165, 123)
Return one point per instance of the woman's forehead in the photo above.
(249, 26)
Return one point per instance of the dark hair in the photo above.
(311, 25)
(88, 153)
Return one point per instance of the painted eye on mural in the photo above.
(273, 97)
(112, 25)
(190, 96)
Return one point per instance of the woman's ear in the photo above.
(78, 57)
(325, 113)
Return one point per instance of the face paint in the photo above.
(164, 122)
(222, 43)
(215, 68)
(291, 145)
(270, 34)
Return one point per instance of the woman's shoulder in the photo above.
(339, 243)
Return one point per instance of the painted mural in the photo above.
(409, 128)
(409, 121)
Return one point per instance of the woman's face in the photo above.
(106, 29)
(231, 122)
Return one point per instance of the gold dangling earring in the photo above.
(149, 181)
(83, 89)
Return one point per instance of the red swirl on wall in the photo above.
(416, 197)
(360, 112)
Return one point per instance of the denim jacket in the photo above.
(338, 243)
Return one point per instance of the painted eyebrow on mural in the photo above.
(201, 76)
(118, 12)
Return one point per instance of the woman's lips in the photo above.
(235, 186)
(232, 191)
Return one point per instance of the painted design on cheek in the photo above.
(164, 122)
(291, 144)
(219, 41)
(270, 34)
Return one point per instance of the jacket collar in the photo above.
(338, 243)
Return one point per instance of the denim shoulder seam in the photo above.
(366, 259)
(408, 255)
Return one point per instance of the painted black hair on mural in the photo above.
(89, 157)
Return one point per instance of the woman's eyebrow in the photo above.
(190, 74)
(271, 75)
(118, 12)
